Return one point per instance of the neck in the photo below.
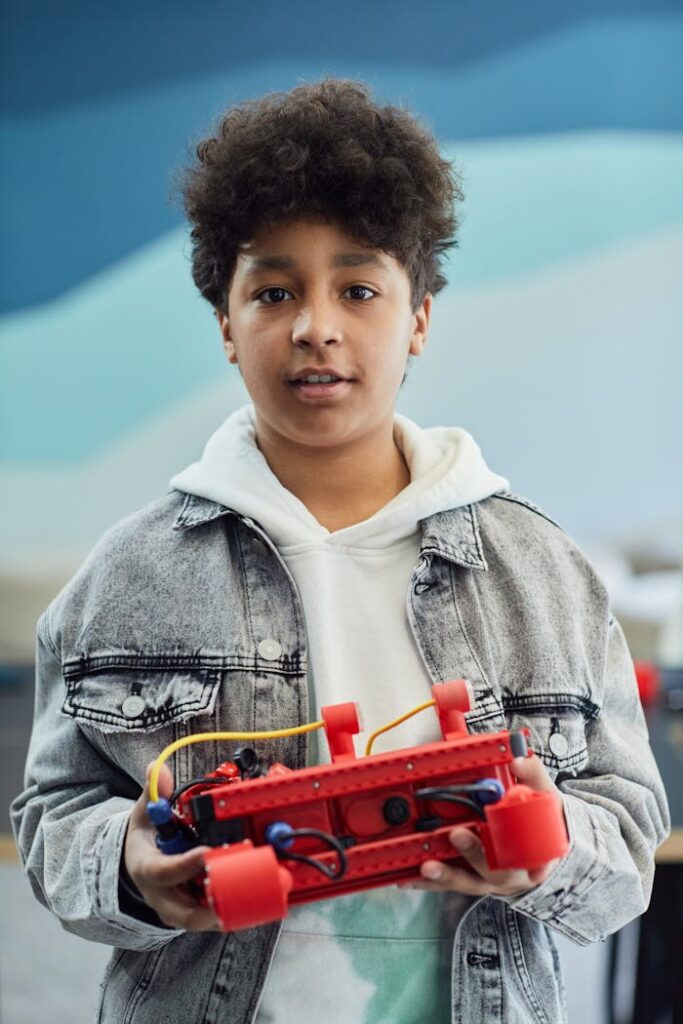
(340, 486)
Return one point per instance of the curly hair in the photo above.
(321, 151)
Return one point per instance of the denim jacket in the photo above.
(173, 607)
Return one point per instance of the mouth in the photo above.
(317, 384)
(317, 375)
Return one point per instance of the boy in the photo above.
(273, 579)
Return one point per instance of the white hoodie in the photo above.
(385, 952)
(353, 583)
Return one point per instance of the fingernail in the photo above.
(432, 871)
(461, 840)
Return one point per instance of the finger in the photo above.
(165, 871)
(531, 771)
(139, 818)
(176, 913)
(471, 848)
(191, 916)
(539, 875)
(438, 877)
(466, 881)
(174, 897)
(202, 919)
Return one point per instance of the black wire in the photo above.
(177, 793)
(477, 787)
(467, 787)
(326, 838)
(447, 794)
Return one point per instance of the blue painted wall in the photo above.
(556, 342)
(100, 100)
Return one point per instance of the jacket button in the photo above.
(481, 960)
(270, 649)
(133, 706)
(558, 744)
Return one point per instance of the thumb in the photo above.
(166, 783)
(139, 817)
(531, 772)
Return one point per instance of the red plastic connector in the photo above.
(453, 700)
(342, 723)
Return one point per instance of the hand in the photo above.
(475, 878)
(159, 876)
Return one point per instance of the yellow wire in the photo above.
(203, 737)
(396, 721)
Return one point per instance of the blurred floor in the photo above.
(47, 974)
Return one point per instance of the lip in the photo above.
(320, 371)
(314, 393)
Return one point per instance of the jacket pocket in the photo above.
(134, 701)
(487, 712)
(557, 728)
(130, 715)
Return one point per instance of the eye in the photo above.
(273, 296)
(360, 292)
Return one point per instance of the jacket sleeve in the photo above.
(616, 813)
(70, 822)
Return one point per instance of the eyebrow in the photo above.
(357, 259)
(257, 264)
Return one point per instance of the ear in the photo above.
(418, 339)
(228, 343)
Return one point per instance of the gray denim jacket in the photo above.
(172, 607)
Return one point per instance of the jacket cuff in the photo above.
(132, 902)
(558, 900)
(120, 902)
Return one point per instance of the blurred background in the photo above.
(557, 342)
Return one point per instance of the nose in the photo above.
(315, 326)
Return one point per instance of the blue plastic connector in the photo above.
(279, 835)
(488, 791)
(175, 844)
(160, 812)
(172, 837)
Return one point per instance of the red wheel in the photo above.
(526, 829)
(246, 885)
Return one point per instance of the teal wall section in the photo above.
(557, 341)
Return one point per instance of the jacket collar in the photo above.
(453, 535)
(196, 511)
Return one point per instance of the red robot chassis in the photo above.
(292, 836)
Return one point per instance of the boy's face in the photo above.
(306, 298)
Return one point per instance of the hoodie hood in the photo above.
(447, 470)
